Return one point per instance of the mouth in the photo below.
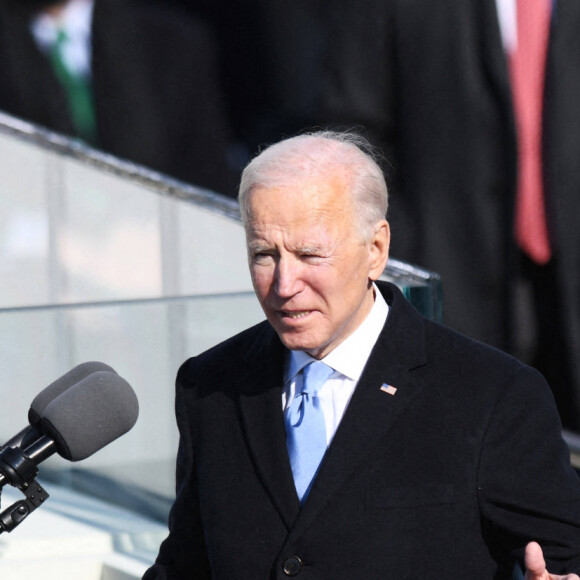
(294, 314)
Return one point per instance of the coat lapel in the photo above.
(370, 415)
(263, 421)
(493, 54)
(372, 412)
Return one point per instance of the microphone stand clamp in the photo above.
(20, 471)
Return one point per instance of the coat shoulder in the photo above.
(227, 357)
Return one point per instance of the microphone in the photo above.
(76, 423)
(90, 415)
(75, 416)
(56, 388)
(41, 401)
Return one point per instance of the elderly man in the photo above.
(347, 437)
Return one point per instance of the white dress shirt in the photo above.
(507, 14)
(508, 24)
(348, 360)
(76, 20)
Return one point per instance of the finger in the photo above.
(535, 563)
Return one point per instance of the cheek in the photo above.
(262, 280)
(353, 284)
(325, 284)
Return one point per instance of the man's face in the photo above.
(310, 270)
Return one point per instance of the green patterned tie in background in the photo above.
(78, 90)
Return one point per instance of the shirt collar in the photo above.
(350, 356)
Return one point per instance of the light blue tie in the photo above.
(306, 429)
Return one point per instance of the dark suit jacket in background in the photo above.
(430, 83)
(448, 478)
(155, 76)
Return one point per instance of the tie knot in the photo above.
(315, 375)
(61, 36)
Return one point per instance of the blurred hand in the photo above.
(536, 565)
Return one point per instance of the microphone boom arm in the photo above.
(14, 515)
(19, 470)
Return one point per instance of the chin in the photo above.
(295, 343)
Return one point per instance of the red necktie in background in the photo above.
(527, 68)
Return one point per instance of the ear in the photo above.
(379, 249)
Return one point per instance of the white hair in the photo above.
(318, 154)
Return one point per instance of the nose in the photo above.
(287, 278)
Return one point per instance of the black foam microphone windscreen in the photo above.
(90, 414)
(60, 385)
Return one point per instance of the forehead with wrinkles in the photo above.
(304, 209)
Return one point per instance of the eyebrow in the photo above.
(258, 247)
(312, 250)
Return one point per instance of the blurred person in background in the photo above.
(136, 79)
(273, 55)
(476, 103)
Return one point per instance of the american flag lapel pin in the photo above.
(389, 389)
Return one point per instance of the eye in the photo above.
(262, 257)
(312, 257)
